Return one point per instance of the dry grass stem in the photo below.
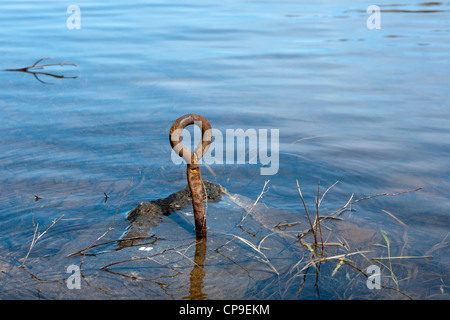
(403, 257)
(256, 202)
(37, 236)
(444, 243)
(396, 219)
(306, 209)
(323, 195)
(258, 250)
(370, 197)
(81, 252)
(317, 222)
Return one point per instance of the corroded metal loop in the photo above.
(175, 137)
(194, 176)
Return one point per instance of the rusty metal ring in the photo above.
(175, 137)
(194, 176)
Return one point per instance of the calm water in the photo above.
(367, 108)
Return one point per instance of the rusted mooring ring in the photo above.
(194, 176)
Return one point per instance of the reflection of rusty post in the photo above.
(198, 272)
(192, 159)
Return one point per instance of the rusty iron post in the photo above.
(194, 176)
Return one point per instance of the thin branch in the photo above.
(110, 226)
(80, 252)
(396, 219)
(254, 204)
(403, 257)
(37, 236)
(42, 66)
(369, 197)
(257, 249)
(135, 258)
(321, 199)
(313, 262)
(317, 222)
(307, 213)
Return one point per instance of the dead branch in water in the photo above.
(42, 66)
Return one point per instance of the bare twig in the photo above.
(282, 226)
(80, 252)
(312, 262)
(369, 197)
(110, 226)
(41, 66)
(307, 213)
(321, 199)
(444, 243)
(37, 236)
(403, 257)
(317, 222)
(258, 250)
(135, 258)
(254, 204)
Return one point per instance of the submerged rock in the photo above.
(148, 214)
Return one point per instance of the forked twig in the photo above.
(41, 66)
(257, 249)
(37, 236)
(394, 217)
(307, 213)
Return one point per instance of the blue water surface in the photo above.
(366, 107)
